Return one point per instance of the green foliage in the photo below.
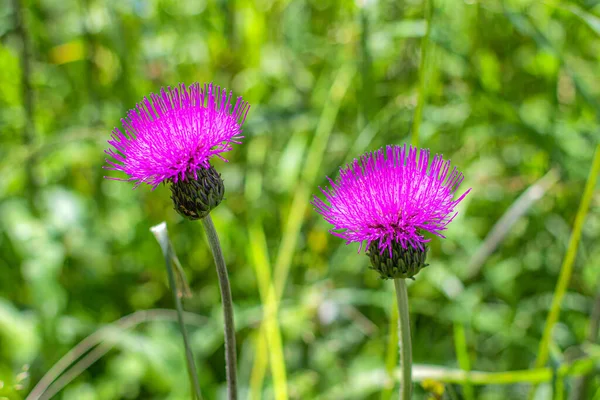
(511, 93)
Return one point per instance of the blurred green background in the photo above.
(510, 93)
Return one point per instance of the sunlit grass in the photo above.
(566, 270)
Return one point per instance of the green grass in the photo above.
(507, 90)
(566, 270)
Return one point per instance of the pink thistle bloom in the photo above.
(391, 196)
(171, 135)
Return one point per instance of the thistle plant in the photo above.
(386, 201)
(171, 138)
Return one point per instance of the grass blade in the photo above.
(300, 200)
(462, 354)
(260, 261)
(501, 228)
(54, 380)
(162, 236)
(422, 93)
(270, 337)
(566, 269)
(363, 384)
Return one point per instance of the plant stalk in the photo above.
(160, 232)
(229, 326)
(404, 339)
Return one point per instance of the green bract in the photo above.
(404, 263)
(194, 198)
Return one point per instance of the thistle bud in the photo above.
(404, 263)
(194, 198)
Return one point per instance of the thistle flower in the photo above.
(171, 137)
(388, 199)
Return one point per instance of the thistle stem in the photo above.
(404, 339)
(229, 327)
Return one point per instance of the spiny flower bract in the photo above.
(170, 135)
(390, 196)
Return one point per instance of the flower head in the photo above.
(171, 135)
(390, 197)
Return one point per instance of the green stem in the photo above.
(160, 232)
(229, 327)
(404, 339)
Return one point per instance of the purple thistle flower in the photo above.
(171, 135)
(391, 196)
